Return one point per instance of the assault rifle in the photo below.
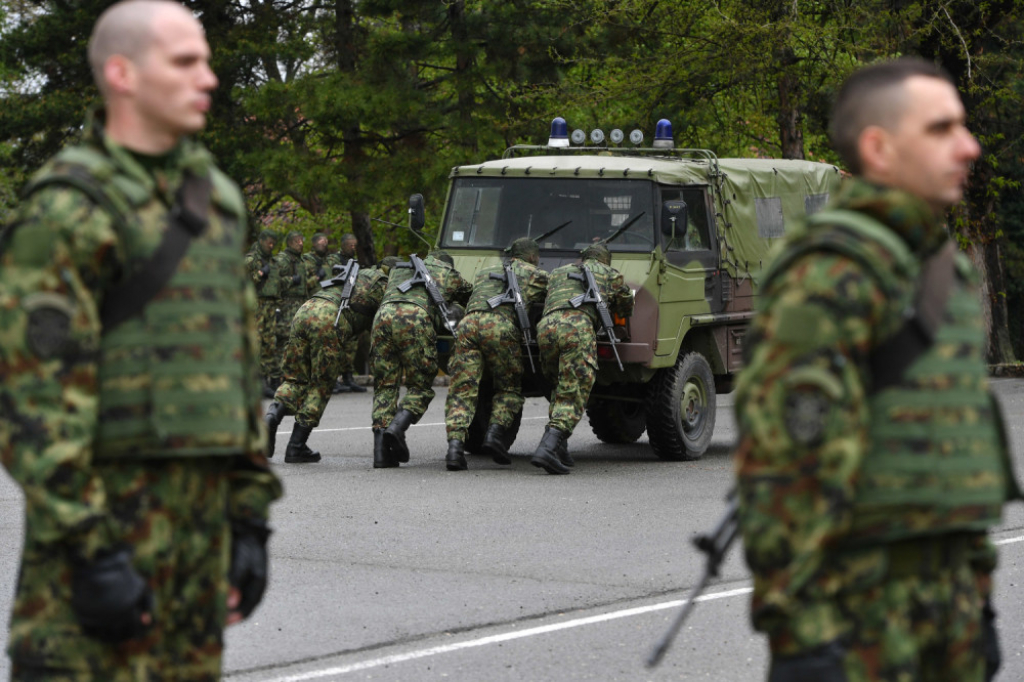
(346, 275)
(715, 545)
(514, 295)
(593, 295)
(422, 276)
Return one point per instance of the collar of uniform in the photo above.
(297, 254)
(906, 215)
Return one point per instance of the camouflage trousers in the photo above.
(403, 342)
(312, 360)
(487, 344)
(922, 625)
(283, 325)
(266, 311)
(348, 354)
(568, 359)
(173, 513)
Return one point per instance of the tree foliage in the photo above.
(332, 113)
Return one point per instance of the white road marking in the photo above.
(530, 632)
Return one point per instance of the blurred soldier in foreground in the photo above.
(131, 415)
(313, 353)
(489, 344)
(265, 275)
(404, 343)
(567, 335)
(872, 457)
(347, 383)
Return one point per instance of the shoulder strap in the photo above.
(187, 219)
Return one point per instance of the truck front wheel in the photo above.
(681, 409)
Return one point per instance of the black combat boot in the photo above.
(272, 418)
(494, 444)
(352, 385)
(394, 435)
(563, 453)
(380, 460)
(341, 387)
(455, 460)
(546, 455)
(298, 452)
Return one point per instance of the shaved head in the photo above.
(125, 29)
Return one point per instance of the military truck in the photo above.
(699, 231)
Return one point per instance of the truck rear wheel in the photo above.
(681, 409)
(617, 421)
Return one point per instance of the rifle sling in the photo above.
(890, 359)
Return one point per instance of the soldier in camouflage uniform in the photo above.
(265, 276)
(567, 337)
(489, 342)
(131, 410)
(296, 284)
(347, 383)
(403, 342)
(317, 267)
(313, 354)
(872, 457)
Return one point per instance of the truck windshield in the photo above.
(490, 213)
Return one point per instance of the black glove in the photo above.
(824, 664)
(990, 639)
(109, 597)
(248, 570)
(321, 274)
(296, 278)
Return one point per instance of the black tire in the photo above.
(617, 421)
(681, 409)
(482, 419)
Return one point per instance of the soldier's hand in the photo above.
(110, 599)
(263, 275)
(248, 572)
(824, 664)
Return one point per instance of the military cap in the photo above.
(442, 256)
(598, 252)
(524, 248)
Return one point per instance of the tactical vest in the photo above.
(936, 461)
(417, 295)
(366, 297)
(171, 379)
(486, 287)
(562, 288)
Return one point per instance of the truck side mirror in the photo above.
(417, 218)
(673, 213)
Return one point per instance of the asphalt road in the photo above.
(506, 573)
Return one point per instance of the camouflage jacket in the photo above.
(365, 298)
(62, 255)
(562, 288)
(800, 452)
(291, 263)
(317, 269)
(450, 283)
(268, 285)
(533, 286)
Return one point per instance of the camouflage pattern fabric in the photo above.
(266, 307)
(311, 360)
(403, 343)
(351, 345)
(797, 468)
(568, 359)
(172, 513)
(66, 253)
(316, 269)
(293, 295)
(567, 338)
(489, 344)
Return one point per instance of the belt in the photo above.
(926, 556)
